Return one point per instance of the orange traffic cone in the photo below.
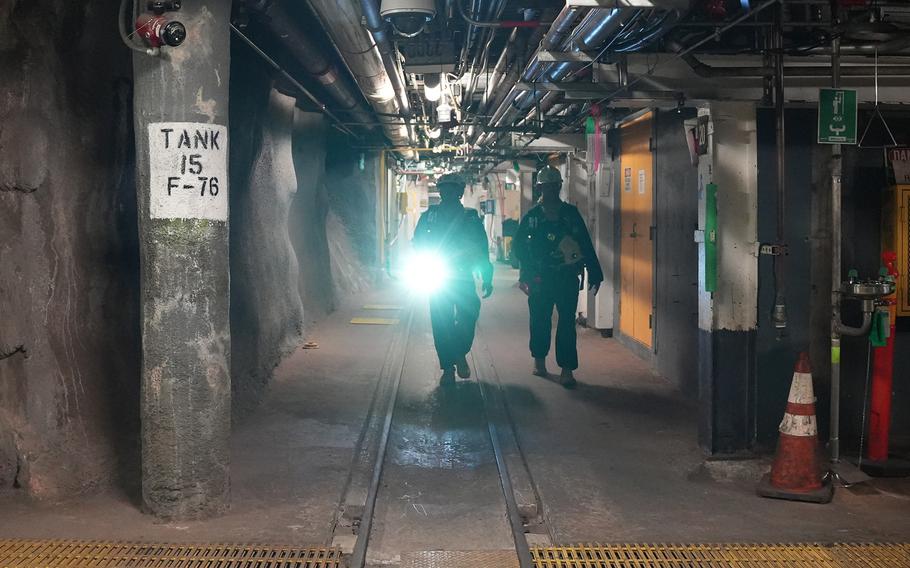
(796, 473)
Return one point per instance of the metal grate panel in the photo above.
(460, 559)
(96, 554)
(811, 555)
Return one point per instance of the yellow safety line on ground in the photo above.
(374, 321)
(381, 307)
(808, 555)
(98, 554)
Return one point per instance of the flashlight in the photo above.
(425, 272)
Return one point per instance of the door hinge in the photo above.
(651, 144)
(650, 321)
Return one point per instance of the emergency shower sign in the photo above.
(836, 116)
(188, 171)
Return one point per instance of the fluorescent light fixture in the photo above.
(432, 94)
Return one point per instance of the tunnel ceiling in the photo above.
(476, 82)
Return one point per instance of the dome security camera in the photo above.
(408, 17)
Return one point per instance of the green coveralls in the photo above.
(553, 254)
(456, 233)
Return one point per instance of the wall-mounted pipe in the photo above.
(342, 21)
(341, 124)
(311, 57)
(779, 312)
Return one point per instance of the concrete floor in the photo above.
(614, 460)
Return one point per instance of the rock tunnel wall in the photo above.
(69, 263)
(68, 249)
(301, 218)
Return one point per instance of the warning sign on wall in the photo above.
(900, 164)
(188, 171)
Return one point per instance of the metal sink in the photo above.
(868, 289)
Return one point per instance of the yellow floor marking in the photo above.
(374, 321)
(381, 307)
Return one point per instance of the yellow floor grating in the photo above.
(844, 555)
(95, 554)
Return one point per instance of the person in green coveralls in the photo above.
(554, 248)
(457, 234)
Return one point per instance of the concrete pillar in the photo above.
(728, 303)
(181, 119)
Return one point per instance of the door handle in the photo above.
(634, 234)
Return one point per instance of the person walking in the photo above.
(457, 235)
(554, 248)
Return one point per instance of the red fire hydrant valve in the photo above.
(159, 30)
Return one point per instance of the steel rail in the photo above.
(498, 397)
(359, 555)
(508, 493)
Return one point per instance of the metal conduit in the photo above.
(342, 20)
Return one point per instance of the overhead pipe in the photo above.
(594, 30)
(894, 46)
(342, 20)
(378, 29)
(625, 40)
(478, 62)
(499, 69)
(712, 72)
(497, 24)
(313, 60)
(554, 37)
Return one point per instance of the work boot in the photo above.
(540, 367)
(448, 377)
(462, 368)
(567, 379)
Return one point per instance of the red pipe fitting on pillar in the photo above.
(882, 380)
(159, 30)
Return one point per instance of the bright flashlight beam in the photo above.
(425, 272)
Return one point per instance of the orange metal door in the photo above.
(636, 218)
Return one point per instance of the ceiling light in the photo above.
(432, 94)
(432, 86)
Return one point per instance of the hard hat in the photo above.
(450, 179)
(549, 174)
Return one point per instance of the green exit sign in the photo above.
(836, 116)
